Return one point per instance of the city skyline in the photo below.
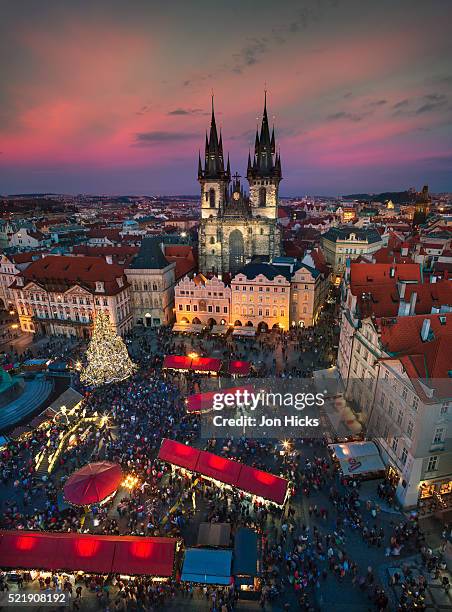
(115, 98)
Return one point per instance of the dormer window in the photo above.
(120, 281)
(100, 287)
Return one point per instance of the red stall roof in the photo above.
(134, 555)
(90, 553)
(177, 362)
(242, 368)
(262, 484)
(179, 454)
(205, 364)
(203, 402)
(219, 468)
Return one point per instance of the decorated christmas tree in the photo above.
(107, 357)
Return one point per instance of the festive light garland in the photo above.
(107, 356)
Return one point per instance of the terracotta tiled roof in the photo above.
(108, 232)
(369, 275)
(402, 335)
(59, 273)
(122, 254)
(182, 255)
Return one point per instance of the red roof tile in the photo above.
(59, 273)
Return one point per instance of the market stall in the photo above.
(358, 458)
(203, 402)
(245, 566)
(127, 555)
(239, 368)
(214, 534)
(225, 472)
(207, 566)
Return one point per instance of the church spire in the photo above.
(199, 166)
(214, 162)
(266, 160)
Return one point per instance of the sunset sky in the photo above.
(113, 96)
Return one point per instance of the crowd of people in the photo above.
(305, 545)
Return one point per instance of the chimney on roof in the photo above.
(401, 286)
(109, 259)
(392, 272)
(404, 251)
(425, 330)
(413, 299)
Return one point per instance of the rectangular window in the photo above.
(409, 429)
(210, 308)
(188, 308)
(390, 408)
(225, 309)
(217, 309)
(404, 455)
(400, 416)
(415, 402)
(181, 307)
(439, 435)
(404, 393)
(195, 308)
(444, 408)
(432, 463)
(394, 444)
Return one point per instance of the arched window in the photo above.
(236, 250)
(212, 240)
(262, 196)
(212, 198)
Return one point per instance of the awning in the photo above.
(89, 553)
(219, 468)
(177, 362)
(199, 364)
(227, 471)
(219, 330)
(241, 368)
(179, 454)
(205, 364)
(358, 457)
(188, 328)
(36, 364)
(206, 566)
(214, 534)
(263, 484)
(245, 553)
(244, 331)
(203, 402)
(69, 398)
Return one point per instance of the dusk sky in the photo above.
(114, 96)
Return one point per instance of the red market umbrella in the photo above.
(93, 483)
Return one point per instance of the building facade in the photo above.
(342, 243)
(202, 300)
(59, 295)
(260, 297)
(235, 227)
(152, 281)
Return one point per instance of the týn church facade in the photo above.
(235, 227)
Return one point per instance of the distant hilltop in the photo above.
(398, 197)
